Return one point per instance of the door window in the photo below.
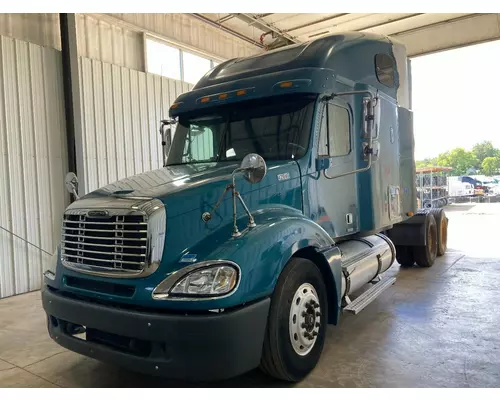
(335, 135)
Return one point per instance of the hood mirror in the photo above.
(254, 168)
(71, 182)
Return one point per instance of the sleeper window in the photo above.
(384, 67)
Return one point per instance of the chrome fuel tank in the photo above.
(363, 259)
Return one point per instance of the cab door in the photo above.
(337, 196)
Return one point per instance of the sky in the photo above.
(456, 99)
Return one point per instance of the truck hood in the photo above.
(162, 181)
(183, 188)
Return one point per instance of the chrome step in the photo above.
(367, 297)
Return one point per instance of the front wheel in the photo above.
(297, 322)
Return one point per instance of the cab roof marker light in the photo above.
(291, 85)
(223, 96)
(241, 92)
(205, 99)
(175, 105)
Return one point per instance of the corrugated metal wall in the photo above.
(122, 109)
(33, 161)
(41, 29)
(184, 28)
(107, 41)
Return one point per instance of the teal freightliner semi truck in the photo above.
(288, 189)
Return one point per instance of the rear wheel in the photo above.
(296, 326)
(442, 230)
(426, 255)
(404, 256)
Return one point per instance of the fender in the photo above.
(263, 252)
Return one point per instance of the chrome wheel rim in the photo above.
(305, 319)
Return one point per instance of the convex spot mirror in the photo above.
(254, 168)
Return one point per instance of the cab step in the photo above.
(367, 297)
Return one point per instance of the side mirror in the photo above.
(254, 168)
(71, 182)
(166, 138)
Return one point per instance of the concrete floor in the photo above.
(436, 327)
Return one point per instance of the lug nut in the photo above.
(315, 333)
(304, 314)
(318, 324)
(318, 314)
(302, 325)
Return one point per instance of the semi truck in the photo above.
(287, 191)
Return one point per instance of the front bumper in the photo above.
(198, 347)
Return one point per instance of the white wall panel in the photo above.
(41, 29)
(122, 109)
(32, 161)
(101, 40)
(185, 29)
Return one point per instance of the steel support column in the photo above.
(71, 81)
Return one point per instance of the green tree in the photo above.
(459, 159)
(484, 150)
(426, 162)
(490, 165)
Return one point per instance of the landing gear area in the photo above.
(421, 239)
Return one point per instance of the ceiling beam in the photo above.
(445, 22)
(452, 34)
(390, 22)
(227, 30)
(266, 27)
(224, 19)
(318, 21)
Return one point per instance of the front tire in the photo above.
(297, 322)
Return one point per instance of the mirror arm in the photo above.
(251, 221)
(75, 194)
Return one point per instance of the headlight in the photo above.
(198, 281)
(50, 264)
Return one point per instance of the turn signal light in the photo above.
(410, 214)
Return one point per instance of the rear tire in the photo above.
(442, 230)
(292, 317)
(404, 256)
(426, 255)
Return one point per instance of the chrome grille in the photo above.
(115, 242)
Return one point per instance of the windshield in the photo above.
(276, 128)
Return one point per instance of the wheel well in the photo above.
(311, 254)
